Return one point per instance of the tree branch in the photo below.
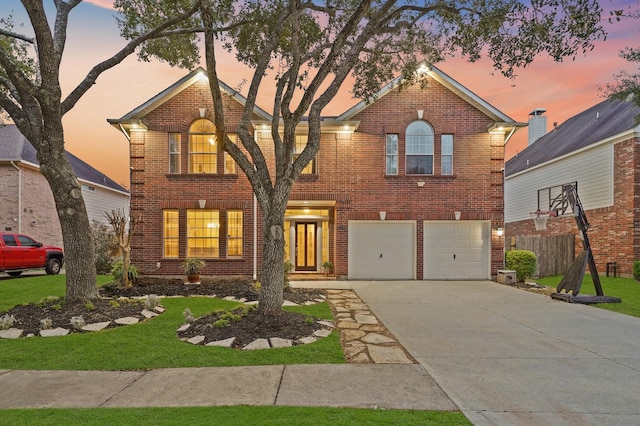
(93, 74)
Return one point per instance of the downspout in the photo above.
(19, 196)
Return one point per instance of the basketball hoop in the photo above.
(540, 219)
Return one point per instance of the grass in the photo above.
(235, 415)
(147, 345)
(153, 344)
(627, 289)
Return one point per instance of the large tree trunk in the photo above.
(272, 274)
(72, 213)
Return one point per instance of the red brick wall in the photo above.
(613, 232)
(351, 173)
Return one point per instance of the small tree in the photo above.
(124, 228)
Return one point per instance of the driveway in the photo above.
(510, 357)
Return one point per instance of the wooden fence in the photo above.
(554, 253)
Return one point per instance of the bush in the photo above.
(636, 270)
(105, 246)
(116, 272)
(521, 261)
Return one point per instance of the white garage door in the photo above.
(457, 250)
(382, 250)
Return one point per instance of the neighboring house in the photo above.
(27, 202)
(379, 201)
(599, 150)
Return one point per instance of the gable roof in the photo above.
(133, 117)
(607, 120)
(15, 147)
(500, 118)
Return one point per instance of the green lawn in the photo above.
(150, 344)
(236, 415)
(627, 289)
(153, 344)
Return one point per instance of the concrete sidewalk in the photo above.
(403, 386)
(510, 357)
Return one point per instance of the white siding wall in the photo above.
(101, 200)
(592, 169)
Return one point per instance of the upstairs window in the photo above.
(392, 154)
(301, 142)
(419, 149)
(446, 154)
(203, 147)
(174, 152)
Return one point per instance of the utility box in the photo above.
(506, 276)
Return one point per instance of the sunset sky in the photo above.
(563, 89)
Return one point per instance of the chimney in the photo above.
(537, 124)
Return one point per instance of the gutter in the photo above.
(19, 196)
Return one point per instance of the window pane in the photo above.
(392, 155)
(234, 233)
(420, 165)
(171, 233)
(174, 152)
(419, 148)
(301, 142)
(203, 147)
(203, 233)
(447, 154)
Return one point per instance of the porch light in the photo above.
(499, 232)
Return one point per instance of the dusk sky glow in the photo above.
(563, 89)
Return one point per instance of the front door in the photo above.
(306, 246)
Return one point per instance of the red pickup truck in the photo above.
(19, 253)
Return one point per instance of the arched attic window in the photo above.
(203, 147)
(419, 148)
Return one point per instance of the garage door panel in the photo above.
(457, 250)
(381, 250)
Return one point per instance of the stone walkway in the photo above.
(364, 339)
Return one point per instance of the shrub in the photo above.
(188, 315)
(152, 301)
(46, 323)
(116, 272)
(636, 270)
(7, 321)
(77, 322)
(105, 246)
(521, 261)
(288, 267)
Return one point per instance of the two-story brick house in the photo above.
(407, 187)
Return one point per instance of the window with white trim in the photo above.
(392, 154)
(234, 233)
(301, 143)
(170, 233)
(203, 147)
(203, 233)
(446, 154)
(419, 149)
(174, 153)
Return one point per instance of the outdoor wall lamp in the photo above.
(499, 232)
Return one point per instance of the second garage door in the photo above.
(382, 250)
(457, 250)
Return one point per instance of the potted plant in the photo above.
(327, 268)
(192, 266)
